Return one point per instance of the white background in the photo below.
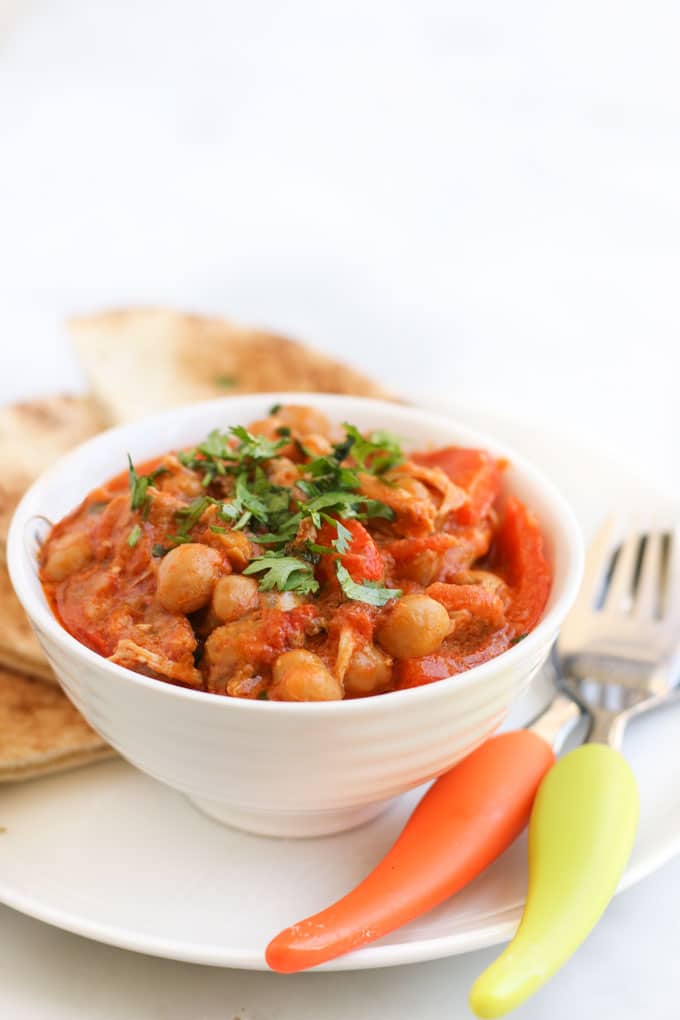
(480, 199)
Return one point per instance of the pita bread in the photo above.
(32, 436)
(141, 361)
(41, 731)
(19, 648)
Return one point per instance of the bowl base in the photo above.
(290, 824)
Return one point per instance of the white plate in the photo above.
(108, 853)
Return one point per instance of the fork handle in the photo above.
(580, 836)
(606, 727)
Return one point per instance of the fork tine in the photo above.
(671, 600)
(621, 584)
(648, 594)
(598, 558)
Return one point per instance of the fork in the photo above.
(618, 654)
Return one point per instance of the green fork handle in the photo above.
(580, 836)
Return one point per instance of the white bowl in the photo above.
(277, 768)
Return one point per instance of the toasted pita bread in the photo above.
(32, 435)
(141, 361)
(41, 731)
(19, 648)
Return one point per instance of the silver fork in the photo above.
(619, 648)
(619, 652)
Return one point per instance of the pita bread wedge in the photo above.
(19, 648)
(40, 730)
(141, 361)
(32, 436)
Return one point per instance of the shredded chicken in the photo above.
(128, 653)
(450, 496)
(414, 508)
(346, 644)
(421, 497)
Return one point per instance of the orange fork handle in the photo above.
(467, 818)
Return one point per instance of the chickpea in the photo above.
(416, 626)
(187, 576)
(369, 671)
(300, 675)
(67, 555)
(234, 596)
(237, 547)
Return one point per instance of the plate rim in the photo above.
(497, 927)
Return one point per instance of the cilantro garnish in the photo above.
(243, 506)
(327, 489)
(285, 573)
(191, 514)
(274, 409)
(377, 453)
(218, 455)
(369, 592)
(139, 485)
(255, 447)
(343, 503)
(134, 536)
(344, 539)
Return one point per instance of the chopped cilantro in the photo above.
(244, 506)
(377, 453)
(327, 489)
(344, 540)
(134, 536)
(374, 508)
(285, 573)
(284, 533)
(188, 516)
(321, 550)
(159, 550)
(218, 455)
(255, 447)
(139, 485)
(369, 592)
(274, 409)
(341, 502)
(517, 638)
(262, 696)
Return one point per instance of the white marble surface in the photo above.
(479, 199)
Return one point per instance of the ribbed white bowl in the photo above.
(276, 768)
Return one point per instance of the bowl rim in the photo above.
(565, 526)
